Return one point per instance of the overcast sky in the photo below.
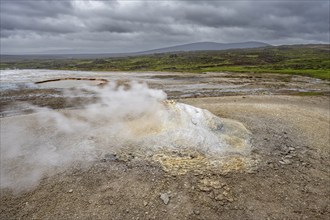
(70, 26)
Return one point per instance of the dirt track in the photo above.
(291, 180)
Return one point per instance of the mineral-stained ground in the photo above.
(285, 176)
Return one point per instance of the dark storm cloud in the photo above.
(34, 26)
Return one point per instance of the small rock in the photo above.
(110, 157)
(286, 152)
(252, 171)
(165, 198)
(222, 202)
(207, 184)
(285, 162)
(227, 188)
(219, 197)
(196, 212)
(145, 203)
(193, 155)
(230, 199)
(205, 189)
(271, 165)
(70, 191)
(194, 121)
(212, 195)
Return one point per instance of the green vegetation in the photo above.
(309, 93)
(309, 60)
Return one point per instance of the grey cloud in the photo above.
(36, 8)
(121, 26)
(50, 25)
(111, 26)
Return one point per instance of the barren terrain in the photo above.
(288, 178)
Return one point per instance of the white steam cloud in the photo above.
(133, 118)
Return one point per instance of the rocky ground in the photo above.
(176, 85)
(290, 179)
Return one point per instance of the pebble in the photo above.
(271, 165)
(70, 191)
(196, 212)
(230, 199)
(205, 189)
(165, 198)
(285, 162)
(252, 171)
(219, 197)
(109, 157)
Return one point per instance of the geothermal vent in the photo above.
(136, 120)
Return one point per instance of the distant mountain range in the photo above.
(206, 46)
(199, 46)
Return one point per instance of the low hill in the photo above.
(199, 46)
(206, 46)
(310, 60)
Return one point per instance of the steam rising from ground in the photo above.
(126, 118)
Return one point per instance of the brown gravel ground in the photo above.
(290, 135)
